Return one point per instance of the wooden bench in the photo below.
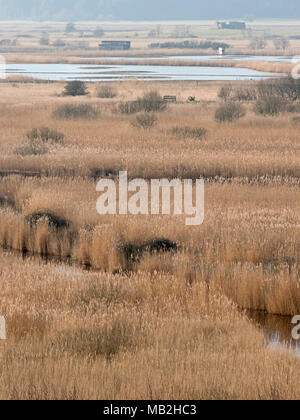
(169, 98)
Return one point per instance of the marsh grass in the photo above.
(188, 132)
(32, 148)
(143, 323)
(106, 91)
(117, 332)
(145, 121)
(76, 111)
(46, 135)
(229, 112)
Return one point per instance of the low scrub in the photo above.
(32, 148)
(229, 112)
(71, 111)
(244, 94)
(270, 106)
(129, 107)
(296, 120)
(286, 88)
(75, 88)
(188, 132)
(49, 218)
(46, 135)
(150, 102)
(7, 200)
(145, 120)
(293, 108)
(133, 252)
(228, 93)
(202, 45)
(106, 92)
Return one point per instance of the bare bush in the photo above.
(145, 120)
(71, 111)
(225, 92)
(230, 111)
(270, 105)
(150, 102)
(32, 148)
(244, 94)
(106, 92)
(188, 132)
(46, 135)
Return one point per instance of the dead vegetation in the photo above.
(164, 301)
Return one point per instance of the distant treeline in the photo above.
(202, 45)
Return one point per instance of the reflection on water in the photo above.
(277, 330)
(95, 72)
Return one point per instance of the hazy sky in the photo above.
(147, 10)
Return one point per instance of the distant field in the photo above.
(27, 35)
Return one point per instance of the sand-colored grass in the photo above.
(166, 326)
(74, 335)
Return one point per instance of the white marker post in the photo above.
(2, 328)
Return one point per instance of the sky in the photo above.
(147, 10)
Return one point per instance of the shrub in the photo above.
(130, 107)
(71, 111)
(244, 95)
(75, 88)
(225, 92)
(49, 218)
(230, 111)
(286, 88)
(106, 92)
(7, 200)
(270, 105)
(145, 120)
(70, 27)
(133, 253)
(296, 120)
(293, 108)
(150, 102)
(202, 45)
(32, 148)
(46, 135)
(188, 132)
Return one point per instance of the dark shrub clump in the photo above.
(46, 135)
(188, 132)
(49, 218)
(75, 88)
(70, 111)
(229, 111)
(150, 102)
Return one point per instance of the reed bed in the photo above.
(77, 335)
(260, 274)
(165, 325)
(255, 147)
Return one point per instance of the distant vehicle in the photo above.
(232, 25)
(115, 45)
